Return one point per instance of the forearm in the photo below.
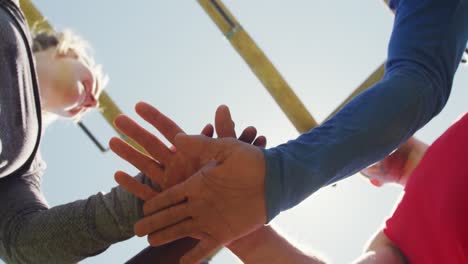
(419, 73)
(381, 250)
(387, 255)
(66, 233)
(363, 132)
(267, 246)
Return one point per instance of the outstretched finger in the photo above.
(144, 138)
(162, 219)
(132, 185)
(172, 233)
(261, 142)
(223, 122)
(164, 200)
(168, 128)
(248, 135)
(208, 131)
(201, 251)
(142, 162)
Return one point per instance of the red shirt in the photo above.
(430, 225)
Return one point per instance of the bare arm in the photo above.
(270, 248)
(381, 250)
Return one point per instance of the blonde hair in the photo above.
(65, 42)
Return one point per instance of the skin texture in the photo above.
(268, 243)
(164, 165)
(213, 205)
(398, 166)
(270, 248)
(66, 83)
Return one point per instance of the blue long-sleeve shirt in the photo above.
(425, 49)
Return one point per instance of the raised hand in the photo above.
(223, 201)
(398, 166)
(164, 165)
(151, 164)
(160, 160)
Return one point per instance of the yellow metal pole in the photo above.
(260, 65)
(109, 109)
(34, 18)
(375, 77)
(247, 49)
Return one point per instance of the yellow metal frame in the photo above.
(266, 72)
(260, 65)
(247, 49)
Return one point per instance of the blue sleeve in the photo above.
(427, 43)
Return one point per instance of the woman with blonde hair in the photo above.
(43, 77)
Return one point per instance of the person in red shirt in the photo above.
(429, 224)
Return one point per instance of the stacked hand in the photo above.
(221, 201)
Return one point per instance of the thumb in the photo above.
(204, 148)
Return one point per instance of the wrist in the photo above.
(266, 246)
(273, 183)
(244, 246)
(417, 149)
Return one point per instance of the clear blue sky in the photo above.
(170, 54)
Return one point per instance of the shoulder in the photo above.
(13, 26)
(10, 32)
